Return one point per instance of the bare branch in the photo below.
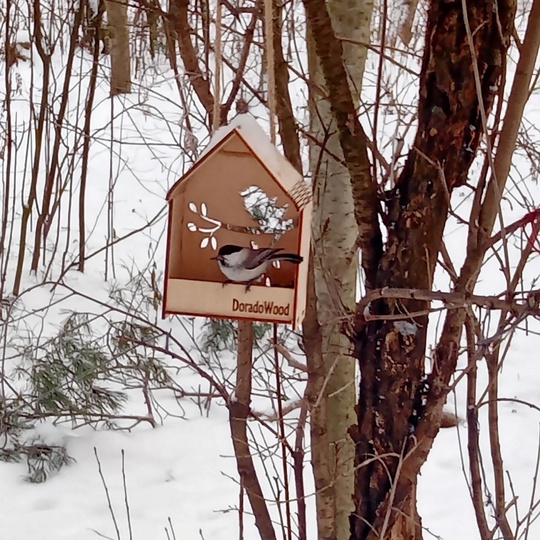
(179, 16)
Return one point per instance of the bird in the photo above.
(247, 265)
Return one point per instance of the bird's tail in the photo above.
(290, 257)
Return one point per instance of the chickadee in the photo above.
(247, 265)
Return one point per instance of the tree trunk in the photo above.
(462, 69)
(118, 34)
(335, 250)
(391, 352)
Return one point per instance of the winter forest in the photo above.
(405, 406)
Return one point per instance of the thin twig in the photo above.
(126, 502)
(109, 502)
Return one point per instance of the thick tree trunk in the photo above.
(118, 33)
(461, 73)
(335, 257)
(391, 353)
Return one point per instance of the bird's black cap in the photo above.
(229, 249)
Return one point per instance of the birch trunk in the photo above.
(335, 234)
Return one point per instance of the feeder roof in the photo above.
(249, 130)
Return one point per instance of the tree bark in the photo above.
(239, 409)
(454, 101)
(335, 268)
(452, 105)
(120, 53)
(178, 14)
(446, 353)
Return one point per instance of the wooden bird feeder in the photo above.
(241, 191)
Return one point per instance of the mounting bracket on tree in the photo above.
(242, 192)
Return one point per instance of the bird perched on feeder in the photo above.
(248, 265)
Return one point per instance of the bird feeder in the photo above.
(241, 191)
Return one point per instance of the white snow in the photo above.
(406, 328)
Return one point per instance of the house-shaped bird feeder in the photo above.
(241, 192)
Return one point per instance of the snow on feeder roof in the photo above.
(241, 191)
